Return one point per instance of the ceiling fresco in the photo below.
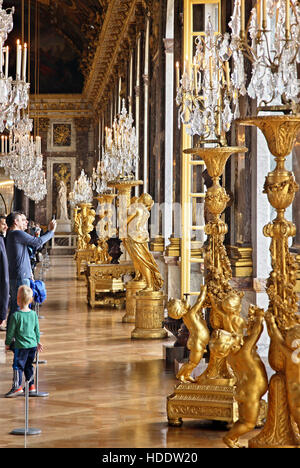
(68, 31)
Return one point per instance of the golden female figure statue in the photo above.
(251, 377)
(199, 333)
(137, 240)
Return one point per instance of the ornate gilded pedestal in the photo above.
(280, 429)
(212, 394)
(82, 258)
(105, 284)
(132, 288)
(149, 315)
(84, 216)
(195, 401)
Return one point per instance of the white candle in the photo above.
(242, 18)
(287, 17)
(177, 75)
(6, 62)
(19, 60)
(264, 8)
(2, 144)
(38, 145)
(24, 62)
(1, 57)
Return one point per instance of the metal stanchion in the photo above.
(26, 430)
(37, 309)
(37, 393)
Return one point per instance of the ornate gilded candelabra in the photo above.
(104, 228)
(84, 217)
(206, 98)
(283, 424)
(271, 42)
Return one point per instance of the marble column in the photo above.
(137, 105)
(169, 111)
(146, 107)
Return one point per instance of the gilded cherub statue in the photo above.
(225, 317)
(199, 332)
(251, 377)
(137, 240)
(289, 347)
(225, 314)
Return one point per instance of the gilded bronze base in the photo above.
(241, 261)
(197, 401)
(173, 249)
(212, 402)
(132, 288)
(149, 316)
(158, 244)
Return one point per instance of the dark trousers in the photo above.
(23, 362)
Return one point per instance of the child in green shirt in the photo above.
(24, 328)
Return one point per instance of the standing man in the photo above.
(4, 285)
(17, 245)
(3, 226)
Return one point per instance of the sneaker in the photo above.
(14, 392)
(32, 389)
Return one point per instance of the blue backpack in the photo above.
(39, 291)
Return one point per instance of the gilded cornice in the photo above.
(113, 45)
(60, 106)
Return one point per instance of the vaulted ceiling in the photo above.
(67, 29)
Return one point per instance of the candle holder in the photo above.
(282, 316)
(271, 43)
(213, 391)
(104, 227)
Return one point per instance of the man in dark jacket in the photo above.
(4, 283)
(17, 245)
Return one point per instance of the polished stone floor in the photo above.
(105, 390)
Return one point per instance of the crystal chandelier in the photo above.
(22, 160)
(14, 94)
(82, 191)
(100, 178)
(206, 97)
(271, 42)
(120, 154)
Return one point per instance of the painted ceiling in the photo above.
(67, 30)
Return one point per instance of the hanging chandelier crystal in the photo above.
(271, 42)
(6, 21)
(22, 159)
(206, 97)
(14, 94)
(100, 178)
(82, 191)
(120, 155)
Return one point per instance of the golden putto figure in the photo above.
(251, 377)
(137, 240)
(199, 332)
